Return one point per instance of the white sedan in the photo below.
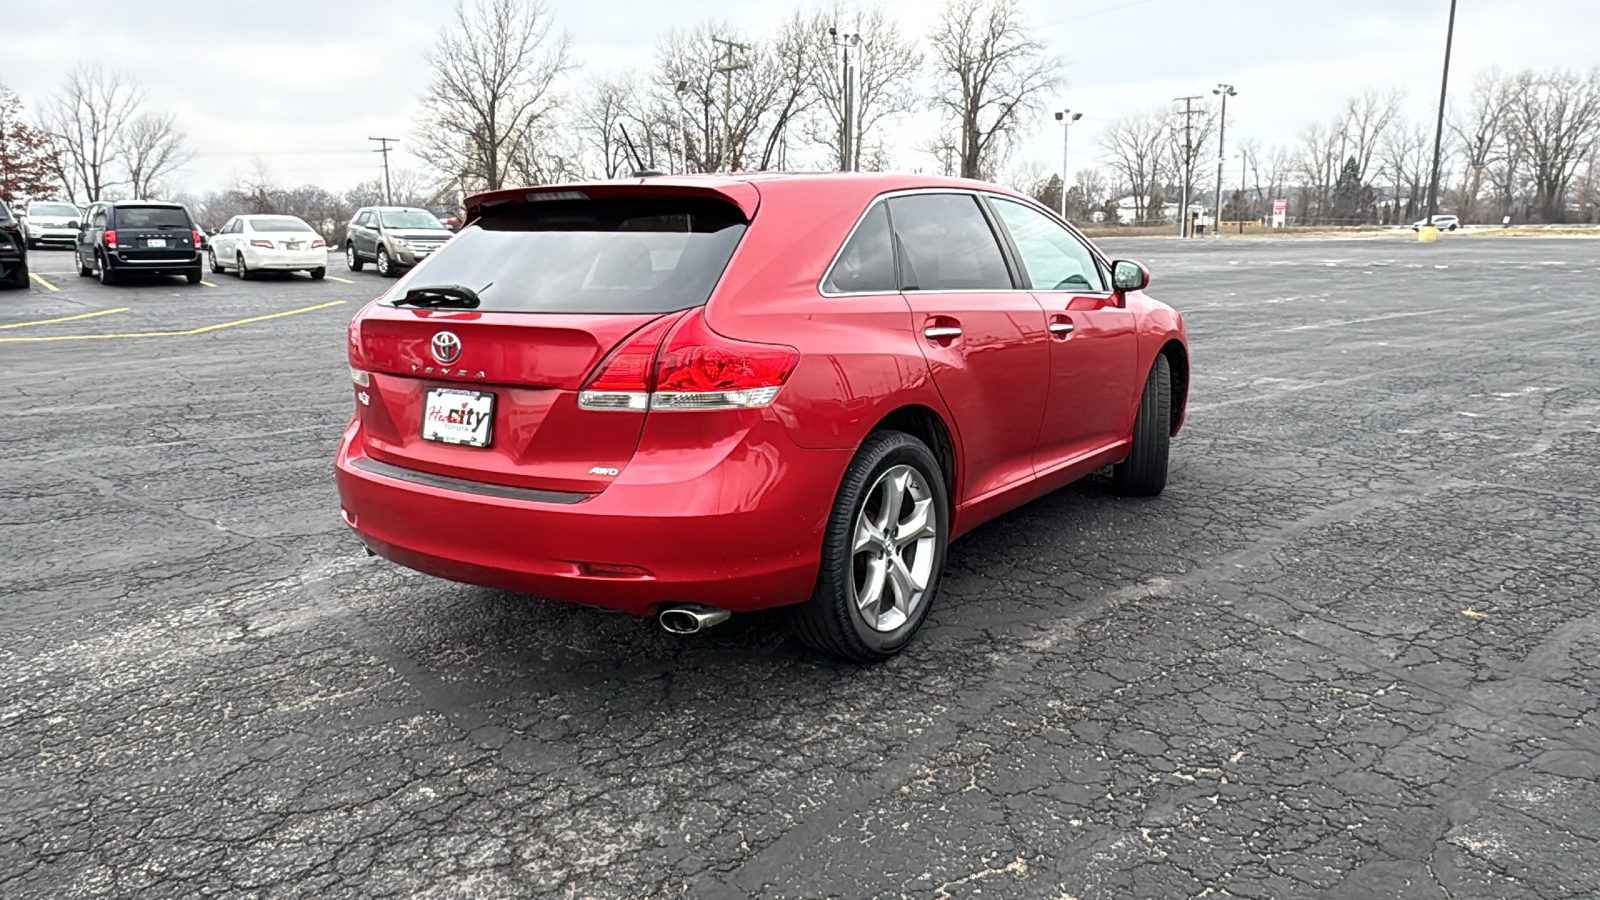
(250, 244)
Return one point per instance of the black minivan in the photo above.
(127, 236)
(13, 251)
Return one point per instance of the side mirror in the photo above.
(1127, 275)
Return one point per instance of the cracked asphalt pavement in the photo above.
(1351, 652)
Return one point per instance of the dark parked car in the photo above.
(13, 251)
(394, 238)
(153, 237)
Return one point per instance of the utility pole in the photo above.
(1188, 161)
(1438, 132)
(847, 133)
(727, 69)
(1226, 90)
(384, 149)
(1066, 117)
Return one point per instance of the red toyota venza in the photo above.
(702, 395)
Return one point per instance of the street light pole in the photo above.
(1438, 131)
(847, 130)
(1226, 90)
(1188, 162)
(683, 124)
(1066, 117)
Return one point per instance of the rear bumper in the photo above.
(735, 525)
(285, 260)
(167, 264)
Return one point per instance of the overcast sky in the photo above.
(302, 92)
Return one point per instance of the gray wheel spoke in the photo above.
(919, 524)
(867, 536)
(870, 594)
(894, 495)
(904, 586)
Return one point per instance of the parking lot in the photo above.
(1353, 650)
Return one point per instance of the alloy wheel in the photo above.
(893, 548)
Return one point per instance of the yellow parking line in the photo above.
(208, 284)
(103, 312)
(340, 280)
(39, 278)
(152, 334)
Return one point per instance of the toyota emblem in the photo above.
(446, 347)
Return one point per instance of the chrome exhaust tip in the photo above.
(690, 618)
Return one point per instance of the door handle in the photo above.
(941, 332)
(1061, 327)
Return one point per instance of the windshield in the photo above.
(66, 210)
(151, 217)
(278, 224)
(410, 218)
(602, 256)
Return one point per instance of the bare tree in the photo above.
(1479, 134)
(886, 62)
(1135, 149)
(150, 148)
(992, 77)
(1366, 118)
(600, 122)
(1556, 116)
(85, 121)
(1404, 157)
(494, 71)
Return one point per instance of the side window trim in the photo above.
(1002, 237)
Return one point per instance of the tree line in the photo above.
(507, 103)
(1524, 145)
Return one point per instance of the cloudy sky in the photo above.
(301, 86)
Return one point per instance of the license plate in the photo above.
(293, 245)
(453, 416)
(155, 242)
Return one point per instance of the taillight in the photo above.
(111, 240)
(258, 242)
(622, 380)
(700, 369)
(196, 236)
(695, 368)
(318, 242)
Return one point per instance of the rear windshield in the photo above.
(410, 218)
(278, 223)
(588, 256)
(152, 217)
(52, 209)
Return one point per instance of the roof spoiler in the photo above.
(740, 193)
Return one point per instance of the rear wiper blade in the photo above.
(454, 296)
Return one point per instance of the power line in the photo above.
(1188, 160)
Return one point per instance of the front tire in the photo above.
(83, 270)
(385, 264)
(882, 553)
(1144, 472)
(216, 266)
(351, 259)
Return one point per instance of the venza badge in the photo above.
(446, 347)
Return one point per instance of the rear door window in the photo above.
(151, 217)
(946, 244)
(866, 264)
(588, 256)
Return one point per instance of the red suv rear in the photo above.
(698, 396)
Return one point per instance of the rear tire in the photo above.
(319, 273)
(19, 276)
(193, 275)
(351, 259)
(833, 621)
(107, 274)
(243, 271)
(1144, 472)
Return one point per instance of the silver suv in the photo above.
(48, 222)
(393, 238)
